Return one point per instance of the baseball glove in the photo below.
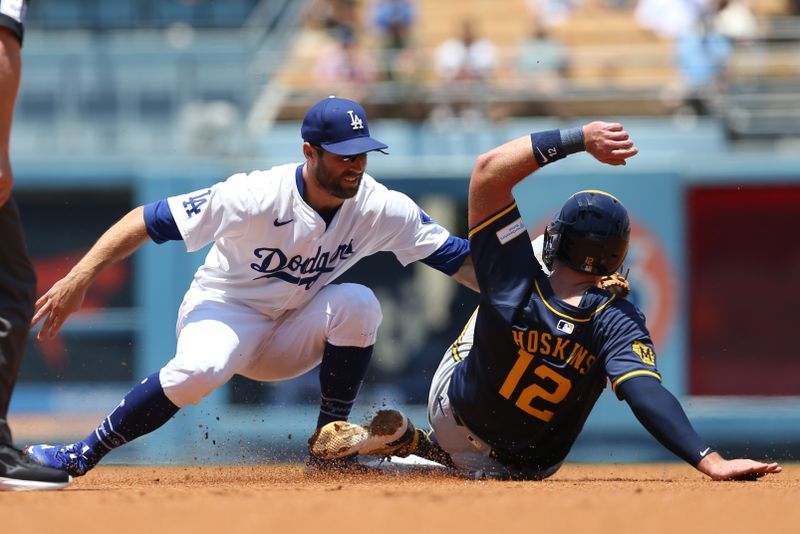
(617, 284)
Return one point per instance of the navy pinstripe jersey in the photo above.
(537, 365)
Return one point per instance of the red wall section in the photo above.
(744, 290)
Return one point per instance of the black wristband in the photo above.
(553, 145)
(572, 139)
(547, 147)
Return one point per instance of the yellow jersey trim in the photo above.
(641, 372)
(490, 220)
(454, 346)
(564, 315)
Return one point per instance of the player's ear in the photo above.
(309, 152)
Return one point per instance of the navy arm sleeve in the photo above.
(450, 256)
(160, 223)
(661, 414)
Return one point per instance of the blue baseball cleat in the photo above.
(68, 458)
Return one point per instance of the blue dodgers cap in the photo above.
(340, 126)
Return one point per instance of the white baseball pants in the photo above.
(218, 339)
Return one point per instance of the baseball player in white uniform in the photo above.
(262, 305)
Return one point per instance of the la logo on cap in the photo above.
(355, 120)
(326, 125)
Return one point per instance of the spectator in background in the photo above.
(552, 12)
(540, 54)
(618, 4)
(409, 69)
(702, 57)
(465, 64)
(338, 17)
(735, 20)
(465, 57)
(541, 62)
(345, 68)
(394, 20)
(670, 19)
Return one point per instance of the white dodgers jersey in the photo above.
(273, 252)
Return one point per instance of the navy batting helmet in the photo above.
(589, 234)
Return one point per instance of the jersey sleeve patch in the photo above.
(509, 232)
(505, 266)
(644, 352)
(627, 346)
(493, 218)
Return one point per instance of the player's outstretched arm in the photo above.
(497, 171)
(662, 415)
(66, 295)
(718, 468)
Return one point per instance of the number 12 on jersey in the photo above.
(526, 397)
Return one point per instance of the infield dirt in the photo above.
(583, 499)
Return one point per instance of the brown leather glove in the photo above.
(616, 283)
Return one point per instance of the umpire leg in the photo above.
(17, 295)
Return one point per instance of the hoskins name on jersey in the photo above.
(563, 349)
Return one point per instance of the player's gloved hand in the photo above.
(617, 284)
(718, 468)
(608, 142)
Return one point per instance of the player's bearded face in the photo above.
(340, 176)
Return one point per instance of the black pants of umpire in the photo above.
(17, 295)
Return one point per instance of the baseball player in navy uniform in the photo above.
(17, 278)
(513, 392)
(263, 305)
